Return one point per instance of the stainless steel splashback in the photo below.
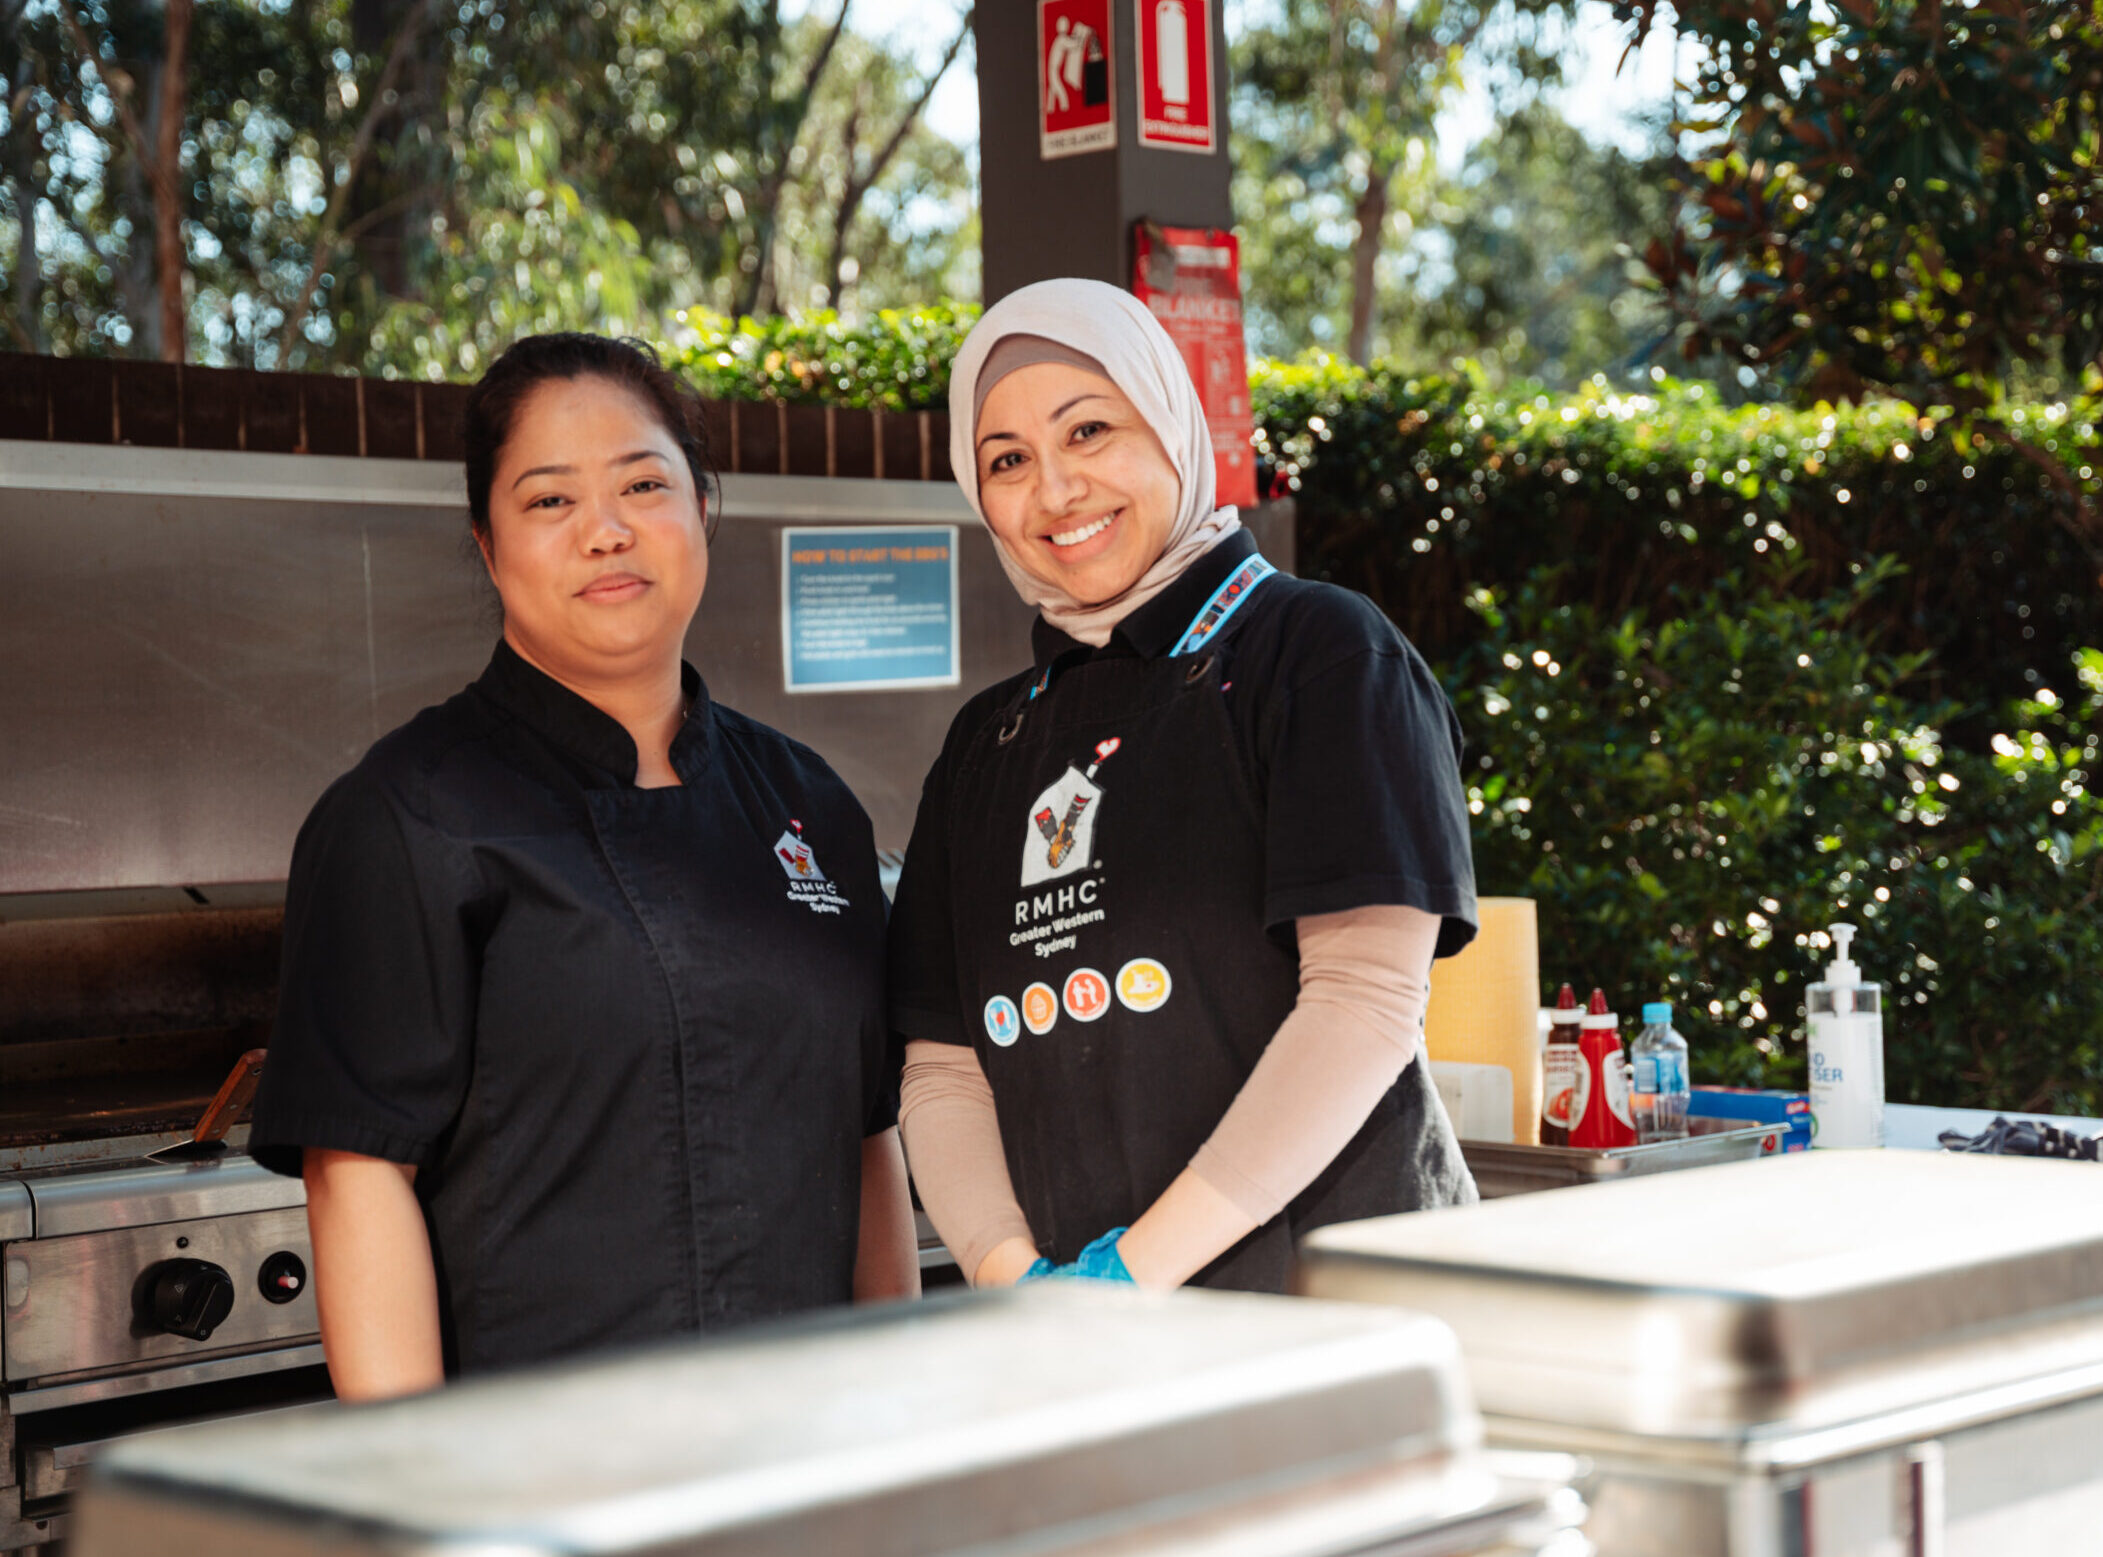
(197, 643)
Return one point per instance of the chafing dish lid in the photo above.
(1780, 1293)
(915, 1428)
(17, 1214)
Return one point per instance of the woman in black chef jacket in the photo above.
(1162, 944)
(580, 1038)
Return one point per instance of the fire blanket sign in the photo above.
(868, 610)
(1175, 74)
(1190, 277)
(1076, 108)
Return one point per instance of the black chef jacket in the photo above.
(631, 1038)
(1173, 814)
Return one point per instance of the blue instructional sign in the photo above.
(869, 609)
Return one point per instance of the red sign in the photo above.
(1190, 277)
(1175, 74)
(1076, 101)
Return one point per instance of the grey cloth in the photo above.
(1015, 352)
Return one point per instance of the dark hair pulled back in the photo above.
(492, 406)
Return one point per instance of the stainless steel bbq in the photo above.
(134, 1289)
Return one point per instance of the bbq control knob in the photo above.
(189, 1297)
(282, 1278)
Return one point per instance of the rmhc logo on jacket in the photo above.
(807, 883)
(1060, 838)
(796, 857)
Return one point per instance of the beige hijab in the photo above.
(1114, 328)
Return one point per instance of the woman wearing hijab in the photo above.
(1162, 943)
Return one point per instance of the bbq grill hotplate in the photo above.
(117, 1029)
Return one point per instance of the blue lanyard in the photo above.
(1225, 601)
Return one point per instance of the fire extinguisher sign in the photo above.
(1076, 102)
(1175, 74)
(1190, 279)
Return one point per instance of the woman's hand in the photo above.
(373, 1279)
(887, 1257)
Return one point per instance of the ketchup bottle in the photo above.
(1562, 1081)
(1606, 1120)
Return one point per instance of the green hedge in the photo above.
(1418, 489)
(1731, 673)
(897, 361)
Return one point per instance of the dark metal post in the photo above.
(1073, 215)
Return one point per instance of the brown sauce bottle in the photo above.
(1559, 1069)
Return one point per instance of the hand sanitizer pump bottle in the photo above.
(1847, 1052)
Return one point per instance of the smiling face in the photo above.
(1073, 481)
(595, 538)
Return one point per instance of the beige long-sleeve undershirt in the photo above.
(1365, 979)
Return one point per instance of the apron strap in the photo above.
(1232, 593)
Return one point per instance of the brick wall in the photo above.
(161, 405)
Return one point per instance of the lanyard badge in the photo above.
(1225, 601)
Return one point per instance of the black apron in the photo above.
(1122, 979)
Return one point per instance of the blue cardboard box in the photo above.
(1762, 1106)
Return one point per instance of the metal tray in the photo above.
(1060, 1419)
(1502, 1168)
(1824, 1291)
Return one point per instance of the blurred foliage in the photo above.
(1522, 262)
(1335, 102)
(1418, 489)
(1898, 196)
(446, 174)
(1694, 790)
(897, 361)
(1520, 259)
(529, 253)
(267, 112)
(911, 229)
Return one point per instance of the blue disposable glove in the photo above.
(1100, 1261)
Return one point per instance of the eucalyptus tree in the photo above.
(1334, 121)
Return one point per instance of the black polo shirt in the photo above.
(1342, 732)
(631, 1038)
(1104, 875)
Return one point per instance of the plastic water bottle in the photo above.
(1662, 1089)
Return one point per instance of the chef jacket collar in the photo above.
(1156, 627)
(581, 729)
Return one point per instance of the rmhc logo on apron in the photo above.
(1060, 838)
